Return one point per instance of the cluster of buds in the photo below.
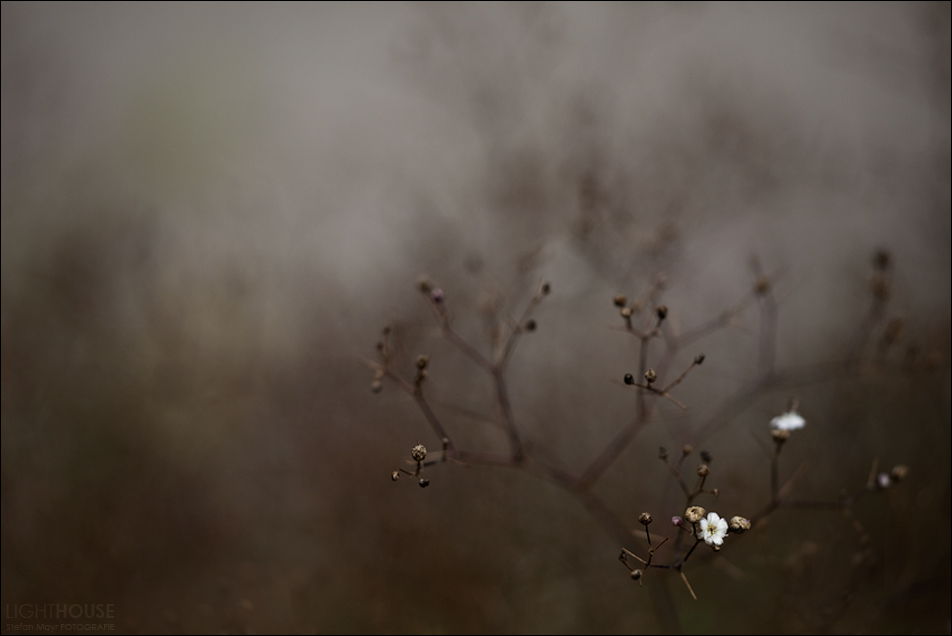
(422, 362)
(418, 453)
(434, 293)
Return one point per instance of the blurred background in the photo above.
(209, 212)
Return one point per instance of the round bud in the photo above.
(662, 453)
(694, 514)
(780, 435)
(882, 259)
(376, 386)
(650, 376)
(762, 286)
(620, 300)
(546, 289)
(626, 312)
(636, 574)
(676, 521)
(703, 470)
(531, 325)
(424, 483)
(699, 359)
(418, 452)
(437, 295)
(629, 379)
(705, 457)
(425, 284)
(899, 472)
(662, 312)
(739, 525)
(422, 361)
(395, 475)
(687, 449)
(644, 518)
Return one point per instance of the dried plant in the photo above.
(645, 319)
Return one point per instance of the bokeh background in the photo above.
(209, 212)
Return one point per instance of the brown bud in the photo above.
(650, 376)
(687, 449)
(620, 300)
(662, 452)
(882, 259)
(762, 286)
(376, 386)
(422, 361)
(418, 452)
(626, 312)
(425, 284)
(739, 525)
(780, 435)
(694, 514)
(899, 472)
(636, 574)
(395, 475)
(644, 518)
(699, 359)
(424, 483)
(546, 289)
(703, 470)
(531, 325)
(662, 312)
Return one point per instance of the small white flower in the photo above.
(713, 529)
(789, 421)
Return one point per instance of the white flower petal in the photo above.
(788, 422)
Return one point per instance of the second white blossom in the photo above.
(789, 421)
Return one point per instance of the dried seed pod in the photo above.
(422, 361)
(395, 475)
(899, 472)
(424, 483)
(418, 452)
(650, 376)
(703, 470)
(629, 379)
(644, 518)
(739, 525)
(694, 514)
